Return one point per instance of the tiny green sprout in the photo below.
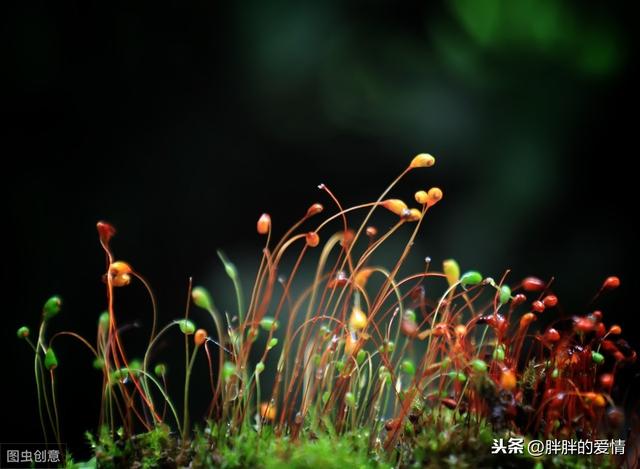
(408, 367)
(272, 343)
(187, 327)
(160, 370)
(268, 323)
(350, 399)
(339, 366)
(201, 298)
(498, 353)
(471, 278)
(597, 358)
(505, 294)
(360, 358)
(228, 370)
(229, 267)
(50, 359)
(325, 397)
(51, 307)
(410, 315)
(555, 373)
(98, 363)
(259, 367)
(103, 320)
(23, 332)
(479, 365)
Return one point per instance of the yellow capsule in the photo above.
(264, 224)
(434, 195)
(423, 160)
(268, 411)
(421, 197)
(452, 271)
(357, 320)
(119, 268)
(460, 330)
(396, 206)
(413, 215)
(599, 400)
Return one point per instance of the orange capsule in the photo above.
(527, 319)
(615, 330)
(423, 160)
(611, 282)
(264, 224)
(508, 380)
(413, 215)
(396, 206)
(606, 381)
(119, 268)
(121, 280)
(362, 277)
(200, 337)
(599, 400)
(314, 210)
(351, 343)
(268, 411)
(372, 231)
(312, 239)
(434, 196)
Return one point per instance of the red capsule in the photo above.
(312, 239)
(527, 319)
(518, 300)
(552, 335)
(611, 282)
(106, 231)
(550, 301)
(606, 381)
(597, 315)
(533, 284)
(538, 306)
(584, 325)
(600, 330)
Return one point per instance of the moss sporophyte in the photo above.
(358, 365)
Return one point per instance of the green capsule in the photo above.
(597, 358)
(498, 353)
(160, 369)
(350, 399)
(23, 332)
(555, 373)
(505, 294)
(229, 267)
(317, 359)
(471, 278)
(446, 361)
(387, 347)
(361, 357)
(339, 366)
(479, 365)
(98, 363)
(325, 397)
(408, 367)
(103, 320)
(410, 315)
(135, 365)
(259, 367)
(187, 327)
(51, 307)
(228, 370)
(272, 343)
(268, 323)
(50, 359)
(201, 298)
(457, 375)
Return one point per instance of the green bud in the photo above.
(410, 315)
(201, 298)
(228, 370)
(316, 359)
(187, 327)
(23, 332)
(135, 365)
(387, 347)
(160, 369)
(272, 343)
(50, 359)
(229, 267)
(498, 353)
(98, 363)
(51, 307)
(268, 323)
(479, 365)
(339, 366)
(505, 294)
(103, 320)
(458, 376)
(350, 399)
(259, 368)
(408, 367)
(446, 361)
(360, 358)
(555, 373)
(471, 278)
(325, 397)
(597, 358)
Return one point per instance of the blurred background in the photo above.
(181, 122)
